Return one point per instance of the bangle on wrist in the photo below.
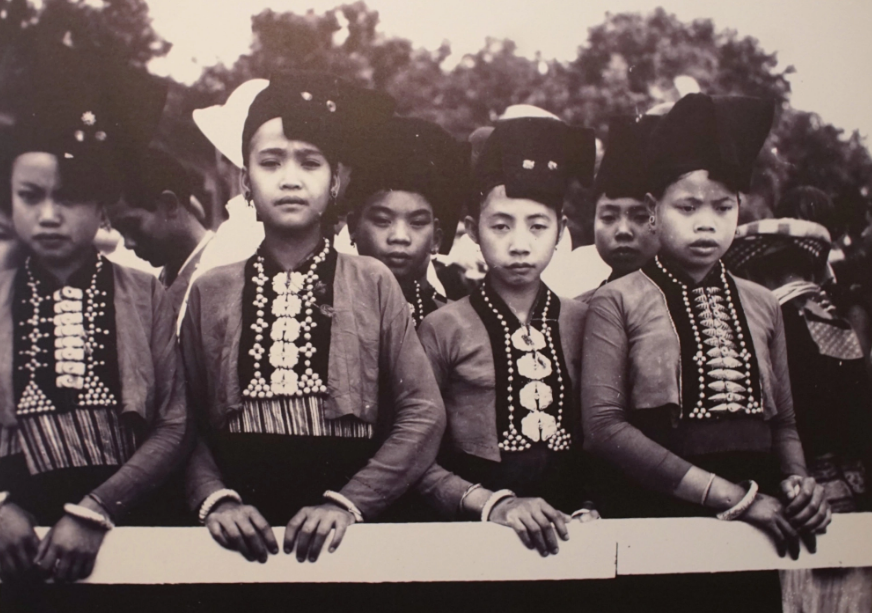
(4, 496)
(213, 499)
(87, 515)
(468, 491)
(345, 503)
(581, 512)
(495, 498)
(743, 505)
(708, 488)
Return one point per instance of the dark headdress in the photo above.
(321, 109)
(94, 115)
(721, 134)
(535, 158)
(418, 156)
(622, 170)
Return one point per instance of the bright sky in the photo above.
(827, 42)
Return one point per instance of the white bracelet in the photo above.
(743, 505)
(86, 514)
(4, 496)
(492, 502)
(468, 491)
(345, 503)
(213, 499)
(581, 512)
(708, 488)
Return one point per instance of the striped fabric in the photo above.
(295, 417)
(9, 443)
(81, 437)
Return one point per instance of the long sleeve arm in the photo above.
(202, 476)
(418, 413)
(604, 398)
(169, 435)
(785, 438)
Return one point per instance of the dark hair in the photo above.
(158, 171)
(809, 203)
(658, 188)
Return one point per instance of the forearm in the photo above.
(443, 490)
(150, 465)
(202, 475)
(407, 452)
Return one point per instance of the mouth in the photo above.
(398, 259)
(520, 267)
(291, 201)
(50, 240)
(625, 252)
(704, 246)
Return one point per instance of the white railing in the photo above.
(477, 552)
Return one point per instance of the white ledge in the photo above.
(374, 553)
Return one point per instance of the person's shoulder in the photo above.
(131, 277)
(633, 284)
(755, 291)
(7, 276)
(573, 308)
(220, 276)
(450, 319)
(363, 265)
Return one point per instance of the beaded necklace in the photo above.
(722, 356)
(290, 332)
(81, 324)
(417, 308)
(534, 381)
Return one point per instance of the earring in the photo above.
(247, 196)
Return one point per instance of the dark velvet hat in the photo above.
(321, 109)
(414, 155)
(622, 170)
(535, 158)
(720, 134)
(94, 115)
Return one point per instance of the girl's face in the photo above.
(398, 228)
(696, 221)
(517, 237)
(57, 230)
(289, 180)
(624, 239)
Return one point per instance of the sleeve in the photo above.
(169, 435)
(202, 476)
(440, 488)
(785, 438)
(604, 398)
(418, 412)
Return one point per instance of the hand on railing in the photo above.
(807, 508)
(311, 526)
(767, 514)
(535, 522)
(18, 542)
(241, 527)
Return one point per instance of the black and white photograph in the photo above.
(386, 305)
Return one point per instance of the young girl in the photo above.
(685, 387)
(407, 199)
(507, 357)
(623, 237)
(315, 399)
(92, 409)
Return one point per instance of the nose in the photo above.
(399, 234)
(291, 177)
(49, 213)
(704, 222)
(624, 230)
(520, 242)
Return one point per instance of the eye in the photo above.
(30, 196)
(419, 222)
(607, 219)
(269, 163)
(500, 226)
(381, 221)
(640, 218)
(312, 163)
(725, 207)
(539, 227)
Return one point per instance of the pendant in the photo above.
(536, 396)
(528, 338)
(538, 426)
(534, 366)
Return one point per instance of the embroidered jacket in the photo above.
(633, 362)
(372, 335)
(151, 377)
(460, 351)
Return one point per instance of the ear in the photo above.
(472, 228)
(245, 180)
(169, 203)
(341, 178)
(437, 236)
(103, 215)
(561, 228)
(650, 203)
